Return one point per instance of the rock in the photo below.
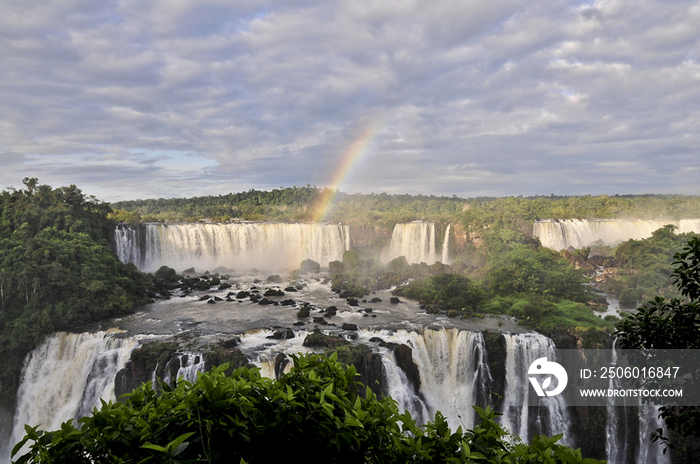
(404, 359)
(281, 362)
(288, 303)
(308, 266)
(231, 343)
(265, 301)
(216, 298)
(376, 340)
(202, 285)
(375, 300)
(290, 289)
(320, 321)
(348, 326)
(273, 292)
(282, 334)
(335, 267)
(368, 310)
(317, 339)
(242, 295)
(274, 279)
(353, 302)
(394, 300)
(299, 323)
(304, 312)
(331, 310)
(254, 298)
(211, 302)
(205, 297)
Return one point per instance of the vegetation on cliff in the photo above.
(315, 411)
(57, 270)
(674, 325)
(645, 267)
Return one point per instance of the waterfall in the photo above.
(246, 245)
(67, 376)
(615, 448)
(188, 365)
(446, 246)
(560, 234)
(453, 372)
(417, 241)
(551, 417)
(650, 453)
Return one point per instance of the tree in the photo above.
(673, 324)
(314, 413)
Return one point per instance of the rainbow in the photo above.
(348, 161)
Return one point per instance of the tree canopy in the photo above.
(57, 270)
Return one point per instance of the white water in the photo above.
(237, 246)
(560, 234)
(523, 350)
(452, 368)
(650, 453)
(66, 377)
(190, 364)
(418, 241)
(612, 424)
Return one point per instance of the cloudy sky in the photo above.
(134, 99)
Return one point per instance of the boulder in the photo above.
(394, 300)
(265, 301)
(288, 303)
(290, 289)
(331, 311)
(242, 295)
(348, 326)
(282, 334)
(320, 321)
(273, 292)
(309, 266)
(303, 312)
(274, 279)
(353, 302)
(317, 339)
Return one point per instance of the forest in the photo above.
(385, 210)
(57, 271)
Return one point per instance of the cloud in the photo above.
(132, 99)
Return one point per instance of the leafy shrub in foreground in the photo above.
(313, 412)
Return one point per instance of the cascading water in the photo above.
(189, 364)
(551, 417)
(649, 452)
(560, 234)
(66, 377)
(246, 245)
(418, 241)
(615, 449)
(453, 372)
(446, 246)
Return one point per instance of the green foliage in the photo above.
(535, 271)
(447, 292)
(314, 412)
(646, 266)
(673, 324)
(57, 270)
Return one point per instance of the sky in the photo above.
(161, 99)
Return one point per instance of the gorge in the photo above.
(451, 363)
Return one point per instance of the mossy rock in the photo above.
(318, 339)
